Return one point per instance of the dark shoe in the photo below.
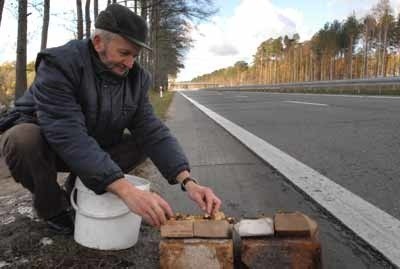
(63, 223)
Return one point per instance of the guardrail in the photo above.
(356, 84)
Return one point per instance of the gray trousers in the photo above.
(34, 164)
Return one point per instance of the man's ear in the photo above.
(98, 43)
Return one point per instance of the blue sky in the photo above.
(232, 35)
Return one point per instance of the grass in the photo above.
(160, 105)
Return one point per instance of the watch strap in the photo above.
(185, 181)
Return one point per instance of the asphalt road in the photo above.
(352, 140)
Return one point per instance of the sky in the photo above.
(231, 35)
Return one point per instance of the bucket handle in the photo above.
(91, 215)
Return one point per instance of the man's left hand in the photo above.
(204, 197)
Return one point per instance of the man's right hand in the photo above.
(153, 209)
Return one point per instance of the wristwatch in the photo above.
(185, 181)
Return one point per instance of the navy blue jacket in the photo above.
(81, 115)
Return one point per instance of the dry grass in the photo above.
(161, 105)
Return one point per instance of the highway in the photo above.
(351, 140)
(354, 141)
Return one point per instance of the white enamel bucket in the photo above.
(104, 221)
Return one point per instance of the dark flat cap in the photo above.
(121, 20)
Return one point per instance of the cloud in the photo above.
(285, 20)
(223, 50)
(254, 21)
(226, 40)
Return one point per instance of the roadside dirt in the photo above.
(25, 241)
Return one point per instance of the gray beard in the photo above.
(102, 55)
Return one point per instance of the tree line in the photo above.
(354, 48)
(170, 23)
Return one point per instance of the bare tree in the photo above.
(385, 22)
(20, 73)
(95, 9)
(1, 8)
(154, 36)
(79, 19)
(144, 55)
(87, 18)
(352, 30)
(369, 27)
(45, 27)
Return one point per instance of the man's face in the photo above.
(118, 54)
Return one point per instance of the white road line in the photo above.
(305, 103)
(373, 225)
(241, 96)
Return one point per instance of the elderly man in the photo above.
(73, 117)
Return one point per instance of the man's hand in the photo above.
(153, 209)
(204, 197)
